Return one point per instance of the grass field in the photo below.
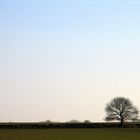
(70, 134)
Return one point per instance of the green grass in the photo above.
(70, 134)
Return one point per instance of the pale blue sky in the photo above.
(65, 59)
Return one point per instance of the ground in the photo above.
(70, 134)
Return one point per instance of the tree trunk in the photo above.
(121, 123)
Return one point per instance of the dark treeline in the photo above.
(65, 125)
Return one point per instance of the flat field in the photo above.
(70, 134)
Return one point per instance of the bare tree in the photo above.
(86, 121)
(121, 109)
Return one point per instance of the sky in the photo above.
(65, 59)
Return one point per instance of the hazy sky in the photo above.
(65, 59)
